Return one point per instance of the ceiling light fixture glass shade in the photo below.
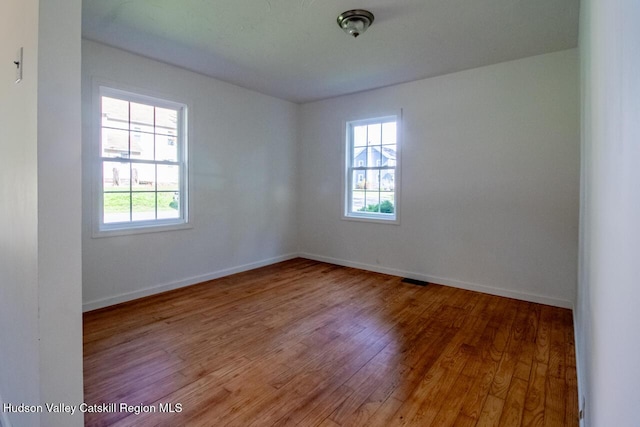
(355, 22)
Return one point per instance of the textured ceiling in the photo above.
(294, 49)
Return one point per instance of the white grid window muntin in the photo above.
(372, 169)
(142, 162)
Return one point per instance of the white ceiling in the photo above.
(294, 49)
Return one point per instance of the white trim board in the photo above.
(579, 372)
(130, 296)
(540, 299)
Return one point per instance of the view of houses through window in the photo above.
(371, 168)
(142, 160)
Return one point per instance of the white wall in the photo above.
(19, 348)
(608, 342)
(243, 151)
(59, 207)
(40, 292)
(490, 180)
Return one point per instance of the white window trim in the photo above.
(99, 229)
(346, 179)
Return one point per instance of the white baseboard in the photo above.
(444, 281)
(128, 296)
(579, 373)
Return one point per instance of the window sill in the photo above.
(371, 218)
(139, 229)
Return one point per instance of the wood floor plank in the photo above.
(511, 354)
(514, 404)
(491, 412)
(384, 414)
(571, 417)
(423, 404)
(364, 382)
(321, 407)
(534, 401)
(464, 421)
(372, 408)
(555, 401)
(454, 400)
(313, 344)
(557, 347)
(543, 336)
(481, 367)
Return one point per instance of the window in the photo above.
(372, 169)
(142, 169)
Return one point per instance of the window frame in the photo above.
(130, 94)
(347, 145)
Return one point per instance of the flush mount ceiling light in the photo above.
(355, 22)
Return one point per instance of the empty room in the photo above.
(417, 213)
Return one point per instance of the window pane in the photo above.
(374, 134)
(116, 207)
(143, 206)
(141, 145)
(359, 156)
(359, 136)
(115, 143)
(374, 158)
(166, 148)
(388, 155)
(115, 176)
(387, 179)
(373, 202)
(169, 204)
(168, 178)
(357, 200)
(358, 181)
(115, 113)
(389, 133)
(166, 121)
(387, 202)
(144, 177)
(142, 117)
(373, 180)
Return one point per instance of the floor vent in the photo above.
(414, 282)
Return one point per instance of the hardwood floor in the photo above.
(313, 344)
